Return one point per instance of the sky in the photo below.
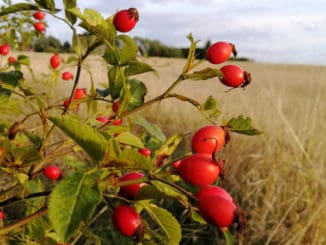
(273, 31)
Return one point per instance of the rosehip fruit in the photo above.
(125, 20)
(234, 76)
(12, 60)
(220, 52)
(55, 61)
(79, 93)
(213, 190)
(2, 215)
(102, 119)
(126, 220)
(176, 164)
(4, 49)
(39, 26)
(199, 169)
(117, 122)
(115, 106)
(130, 191)
(67, 76)
(52, 172)
(208, 139)
(146, 152)
(217, 210)
(39, 15)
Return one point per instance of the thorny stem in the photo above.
(23, 221)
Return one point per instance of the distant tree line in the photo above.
(147, 47)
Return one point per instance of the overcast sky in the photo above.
(290, 31)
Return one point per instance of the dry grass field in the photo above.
(278, 177)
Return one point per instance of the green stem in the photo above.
(22, 222)
(30, 196)
(228, 236)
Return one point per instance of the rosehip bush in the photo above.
(118, 177)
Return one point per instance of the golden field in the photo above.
(278, 177)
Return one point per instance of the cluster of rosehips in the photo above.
(4, 51)
(39, 25)
(233, 76)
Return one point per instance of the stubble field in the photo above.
(278, 177)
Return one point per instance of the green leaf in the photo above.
(209, 107)
(116, 81)
(166, 222)
(8, 81)
(204, 74)
(128, 49)
(47, 4)
(151, 128)
(72, 202)
(149, 192)
(24, 60)
(17, 8)
(137, 90)
(168, 190)
(69, 16)
(95, 23)
(191, 54)
(242, 125)
(130, 139)
(129, 158)
(137, 68)
(195, 216)
(92, 141)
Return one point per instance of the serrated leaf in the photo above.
(128, 49)
(92, 141)
(70, 4)
(72, 202)
(137, 68)
(149, 192)
(137, 92)
(47, 4)
(191, 54)
(128, 138)
(116, 81)
(204, 74)
(166, 222)
(168, 190)
(209, 107)
(167, 149)
(151, 128)
(11, 77)
(17, 8)
(242, 125)
(24, 60)
(129, 158)
(195, 216)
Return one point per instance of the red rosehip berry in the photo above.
(125, 20)
(52, 172)
(67, 75)
(217, 210)
(115, 106)
(102, 119)
(220, 52)
(39, 26)
(234, 76)
(4, 49)
(126, 220)
(199, 169)
(117, 122)
(39, 15)
(209, 139)
(79, 93)
(55, 61)
(12, 60)
(212, 190)
(130, 191)
(145, 151)
(2, 215)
